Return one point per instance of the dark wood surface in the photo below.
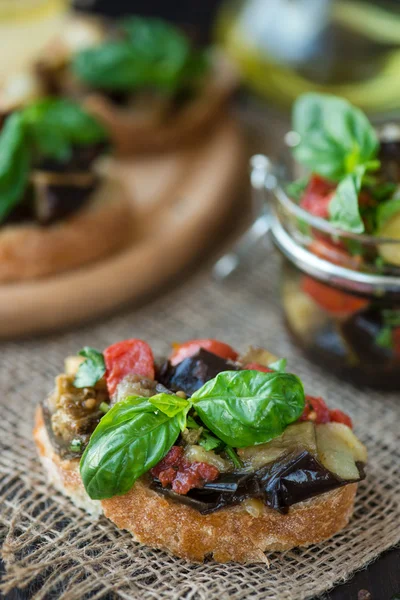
(381, 579)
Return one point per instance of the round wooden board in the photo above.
(180, 200)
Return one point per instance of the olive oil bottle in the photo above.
(344, 47)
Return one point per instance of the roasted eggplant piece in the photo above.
(193, 372)
(299, 436)
(296, 477)
(339, 450)
(255, 354)
(58, 200)
(71, 414)
(361, 332)
(81, 159)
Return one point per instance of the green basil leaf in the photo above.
(111, 66)
(335, 137)
(169, 404)
(14, 164)
(391, 317)
(296, 189)
(279, 365)
(209, 441)
(386, 211)
(383, 191)
(384, 339)
(344, 212)
(244, 408)
(91, 370)
(54, 126)
(154, 54)
(234, 457)
(191, 423)
(126, 443)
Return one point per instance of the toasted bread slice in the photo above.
(102, 226)
(230, 534)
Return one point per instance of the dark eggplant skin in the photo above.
(361, 332)
(53, 200)
(80, 161)
(193, 372)
(296, 477)
(56, 202)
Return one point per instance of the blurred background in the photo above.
(282, 47)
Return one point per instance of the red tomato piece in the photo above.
(338, 416)
(258, 367)
(330, 299)
(315, 410)
(317, 196)
(187, 349)
(123, 358)
(334, 253)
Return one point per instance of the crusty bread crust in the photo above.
(102, 226)
(133, 133)
(230, 534)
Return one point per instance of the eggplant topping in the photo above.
(193, 372)
(53, 202)
(81, 160)
(71, 415)
(296, 477)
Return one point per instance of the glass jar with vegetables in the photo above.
(334, 213)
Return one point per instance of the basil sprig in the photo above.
(338, 142)
(152, 54)
(54, 126)
(129, 440)
(91, 370)
(14, 164)
(241, 408)
(245, 408)
(49, 128)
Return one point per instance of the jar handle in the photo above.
(261, 178)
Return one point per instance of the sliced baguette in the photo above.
(102, 226)
(230, 534)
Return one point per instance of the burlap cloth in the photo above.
(56, 549)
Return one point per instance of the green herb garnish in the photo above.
(209, 441)
(234, 457)
(239, 408)
(75, 446)
(129, 440)
(153, 54)
(279, 365)
(48, 128)
(14, 163)
(295, 189)
(91, 370)
(384, 338)
(338, 142)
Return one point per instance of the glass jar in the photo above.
(340, 291)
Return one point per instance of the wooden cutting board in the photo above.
(180, 200)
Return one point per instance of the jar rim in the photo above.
(266, 176)
(319, 222)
